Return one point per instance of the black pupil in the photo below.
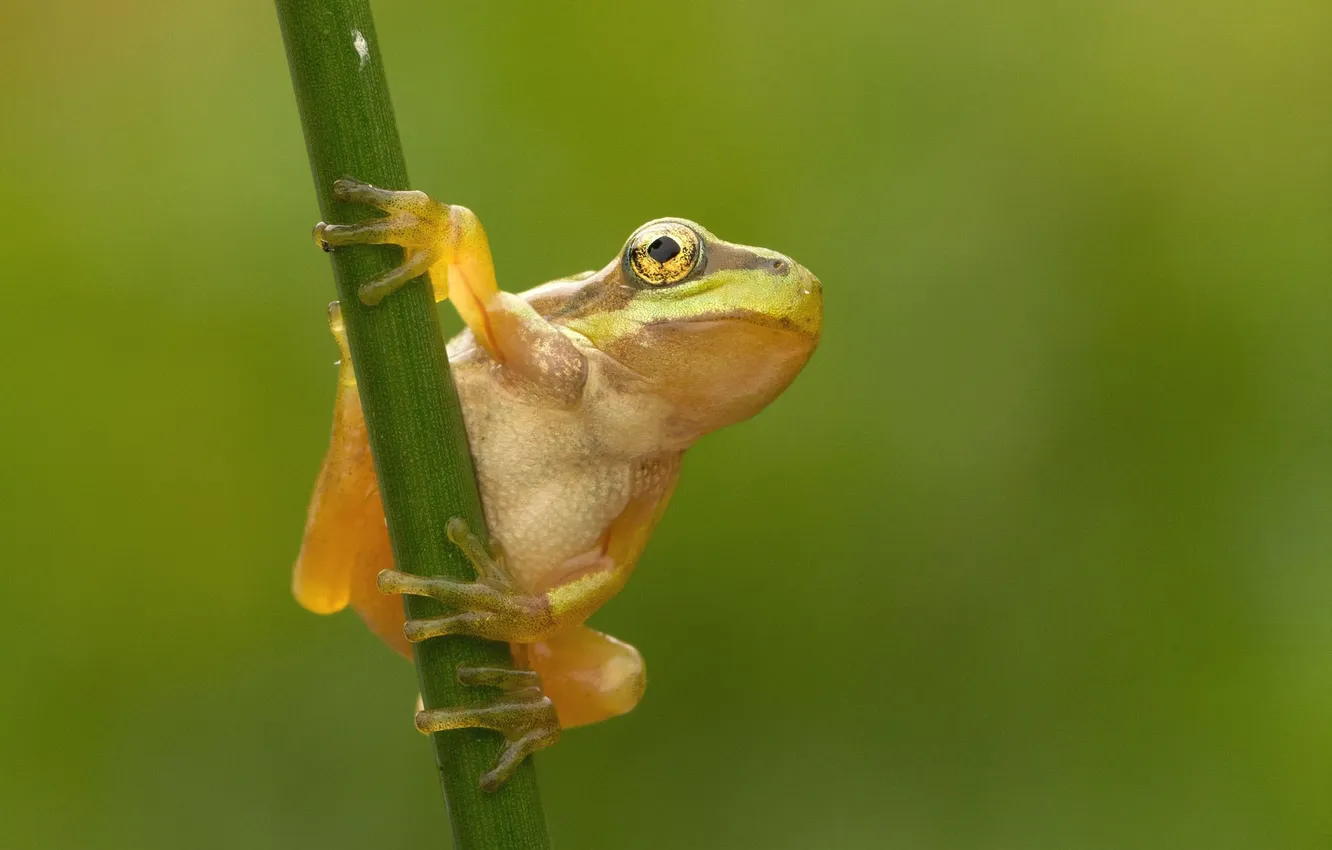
(663, 248)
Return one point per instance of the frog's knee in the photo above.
(589, 676)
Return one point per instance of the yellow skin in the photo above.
(580, 396)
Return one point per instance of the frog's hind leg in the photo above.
(577, 677)
(521, 712)
(346, 544)
(589, 676)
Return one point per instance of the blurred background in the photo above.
(1063, 454)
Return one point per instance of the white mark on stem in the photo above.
(362, 46)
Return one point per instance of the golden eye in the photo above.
(663, 252)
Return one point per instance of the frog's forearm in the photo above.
(445, 239)
(467, 271)
(449, 242)
(528, 345)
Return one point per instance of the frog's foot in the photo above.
(523, 714)
(414, 222)
(490, 607)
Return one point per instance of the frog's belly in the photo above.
(547, 524)
(548, 484)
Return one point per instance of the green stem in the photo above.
(411, 407)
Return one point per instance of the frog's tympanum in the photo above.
(580, 396)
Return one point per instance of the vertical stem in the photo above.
(411, 407)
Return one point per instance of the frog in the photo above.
(580, 397)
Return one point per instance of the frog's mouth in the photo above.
(801, 323)
(798, 309)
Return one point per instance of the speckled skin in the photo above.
(580, 397)
(554, 478)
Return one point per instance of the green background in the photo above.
(1036, 554)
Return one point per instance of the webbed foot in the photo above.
(490, 607)
(419, 225)
(523, 714)
(445, 240)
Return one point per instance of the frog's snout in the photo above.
(811, 286)
(807, 284)
(807, 293)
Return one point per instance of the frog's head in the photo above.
(717, 329)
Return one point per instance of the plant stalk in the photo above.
(411, 408)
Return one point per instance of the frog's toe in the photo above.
(404, 229)
(376, 231)
(389, 200)
(488, 563)
(508, 678)
(514, 752)
(467, 623)
(416, 264)
(462, 595)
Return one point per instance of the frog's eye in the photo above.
(663, 253)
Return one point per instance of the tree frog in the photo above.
(580, 396)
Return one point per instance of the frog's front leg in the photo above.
(449, 243)
(434, 236)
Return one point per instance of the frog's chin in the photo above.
(718, 370)
(763, 361)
